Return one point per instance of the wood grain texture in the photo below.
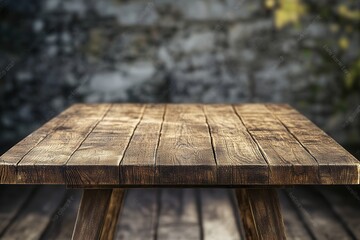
(138, 165)
(92, 214)
(239, 160)
(185, 147)
(257, 117)
(97, 159)
(261, 214)
(102, 145)
(113, 212)
(288, 160)
(45, 163)
(9, 160)
(335, 163)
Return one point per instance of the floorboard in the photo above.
(11, 201)
(36, 214)
(49, 212)
(218, 215)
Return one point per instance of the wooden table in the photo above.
(106, 148)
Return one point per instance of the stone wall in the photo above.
(66, 51)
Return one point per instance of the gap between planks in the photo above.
(253, 139)
(210, 134)
(293, 135)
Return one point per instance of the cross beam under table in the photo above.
(100, 208)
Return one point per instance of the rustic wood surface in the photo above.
(179, 144)
(113, 212)
(261, 214)
(308, 213)
(92, 214)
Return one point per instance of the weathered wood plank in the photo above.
(138, 164)
(12, 199)
(346, 205)
(319, 218)
(178, 216)
(235, 207)
(10, 159)
(45, 163)
(92, 213)
(185, 146)
(139, 217)
(294, 225)
(336, 165)
(288, 160)
(63, 221)
(157, 144)
(36, 215)
(257, 117)
(97, 160)
(218, 216)
(239, 160)
(116, 202)
(261, 213)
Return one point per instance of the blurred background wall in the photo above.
(57, 52)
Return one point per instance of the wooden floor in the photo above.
(49, 212)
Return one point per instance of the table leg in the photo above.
(260, 213)
(116, 203)
(98, 212)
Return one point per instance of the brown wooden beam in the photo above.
(261, 214)
(98, 213)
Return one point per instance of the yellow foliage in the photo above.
(289, 11)
(352, 75)
(345, 12)
(344, 43)
(349, 81)
(270, 4)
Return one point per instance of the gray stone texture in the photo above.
(171, 51)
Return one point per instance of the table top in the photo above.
(179, 144)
